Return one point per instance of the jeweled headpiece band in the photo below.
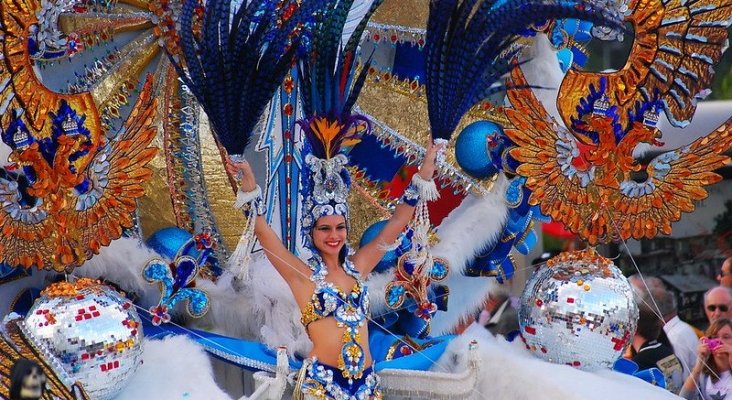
(326, 192)
(326, 181)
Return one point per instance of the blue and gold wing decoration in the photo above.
(590, 187)
(68, 189)
(677, 43)
(585, 175)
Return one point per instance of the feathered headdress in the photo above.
(233, 65)
(470, 46)
(329, 87)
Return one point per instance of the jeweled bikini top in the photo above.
(349, 309)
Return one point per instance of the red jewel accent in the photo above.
(394, 38)
(539, 303)
(570, 300)
(376, 37)
(405, 350)
(287, 109)
(288, 135)
(289, 84)
(288, 158)
(530, 330)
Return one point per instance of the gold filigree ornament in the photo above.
(584, 175)
(68, 190)
(589, 186)
(676, 45)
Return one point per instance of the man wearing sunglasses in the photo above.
(725, 273)
(718, 303)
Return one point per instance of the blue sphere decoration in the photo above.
(390, 257)
(471, 150)
(168, 241)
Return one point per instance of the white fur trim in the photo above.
(174, 368)
(243, 198)
(261, 308)
(465, 232)
(506, 367)
(542, 70)
(122, 263)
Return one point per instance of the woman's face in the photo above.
(329, 234)
(725, 335)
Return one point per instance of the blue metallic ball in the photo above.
(390, 257)
(472, 149)
(168, 241)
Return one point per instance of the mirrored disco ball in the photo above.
(578, 309)
(92, 331)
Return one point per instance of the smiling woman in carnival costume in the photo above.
(329, 287)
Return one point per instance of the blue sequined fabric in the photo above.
(350, 310)
(323, 382)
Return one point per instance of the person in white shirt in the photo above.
(680, 335)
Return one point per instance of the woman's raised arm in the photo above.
(370, 254)
(288, 265)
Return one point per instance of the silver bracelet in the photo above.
(252, 200)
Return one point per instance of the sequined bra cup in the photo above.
(349, 310)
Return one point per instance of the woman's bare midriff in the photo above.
(327, 346)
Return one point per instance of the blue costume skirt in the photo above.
(323, 382)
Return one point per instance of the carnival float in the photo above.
(127, 273)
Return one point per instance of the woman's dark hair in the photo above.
(22, 368)
(710, 367)
(343, 254)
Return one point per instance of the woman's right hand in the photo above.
(244, 171)
(702, 352)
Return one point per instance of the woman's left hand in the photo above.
(427, 169)
(724, 349)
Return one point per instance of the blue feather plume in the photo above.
(234, 64)
(470, 46)
(329, 84)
